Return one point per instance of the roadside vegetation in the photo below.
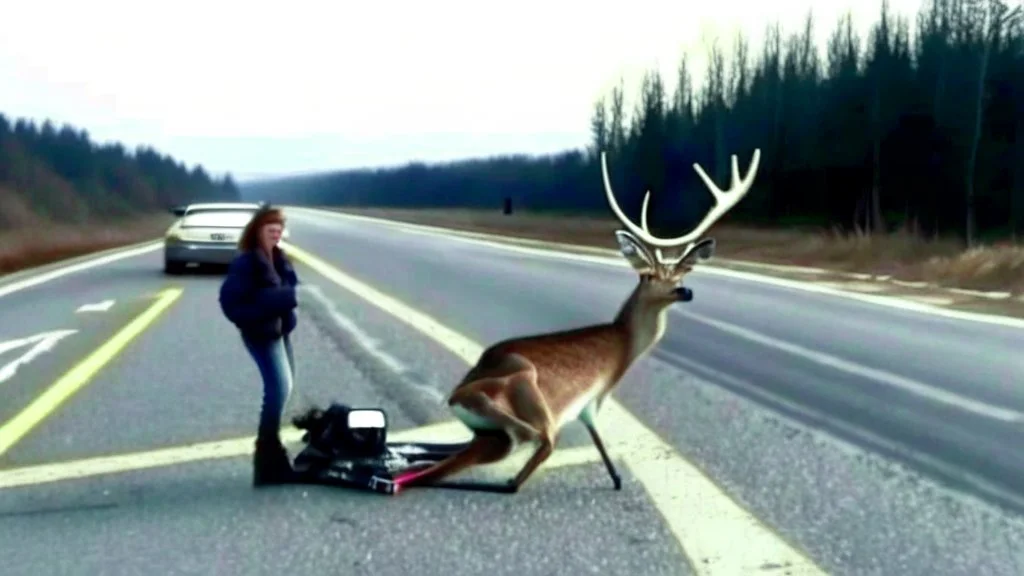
(899, 255)
(63, 195)
(899, 153)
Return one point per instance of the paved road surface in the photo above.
(785, 398)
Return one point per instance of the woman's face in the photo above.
(270, 235)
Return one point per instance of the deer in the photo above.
(526, 389)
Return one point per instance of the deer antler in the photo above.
(724, 201)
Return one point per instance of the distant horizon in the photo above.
(255, 176)
(250, 177)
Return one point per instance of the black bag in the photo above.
(346, 432)
(348, 447)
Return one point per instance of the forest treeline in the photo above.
(918, 126)
(59, 175)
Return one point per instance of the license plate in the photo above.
(219, 237)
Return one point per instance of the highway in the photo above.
(850, 438)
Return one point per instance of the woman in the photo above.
(258, 297)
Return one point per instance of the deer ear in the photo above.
(702, 250)
(634, 252)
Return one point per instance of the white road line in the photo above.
(43, 343)
(560, 250)
(921, 389)
(867, 437)
(235, 447)
(96, 307)
(718, 535)
(38, 279)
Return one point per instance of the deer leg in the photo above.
(587, 418)
(494, 428)
(485, 448)
(482, 405)
(528, 402)
(477, 397)
(497, 429)
(547, 446)
(502, 446)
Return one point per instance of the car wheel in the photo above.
(173, 267)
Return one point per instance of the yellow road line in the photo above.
(80, 375)
(235, 447)
(717, 535)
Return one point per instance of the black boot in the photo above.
(271, 464)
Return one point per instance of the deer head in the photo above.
(660, 276)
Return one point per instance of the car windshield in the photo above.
(217, 218)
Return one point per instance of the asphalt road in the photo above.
(874, 440)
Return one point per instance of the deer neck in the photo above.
(643, 323)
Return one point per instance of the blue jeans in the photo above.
(276, 364)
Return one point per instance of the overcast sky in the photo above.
(260, 88)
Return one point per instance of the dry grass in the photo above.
(992, 268)
(900, 255)
(44, 243)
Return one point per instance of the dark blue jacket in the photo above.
(254, 302)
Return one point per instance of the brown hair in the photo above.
(250, 239)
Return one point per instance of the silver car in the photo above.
(205, 234)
